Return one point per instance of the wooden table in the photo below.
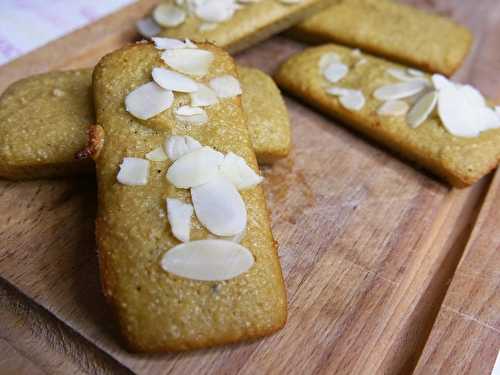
(368, 243)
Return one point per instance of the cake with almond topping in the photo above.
(229, 24)
(186, 252)
(448, 128)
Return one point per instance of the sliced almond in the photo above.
(191, 115)
(189, 60)
(168, 15)
(207, 26)
(219, 207)
(415, 72)
(204, 96)
(393, 108)
(147, 27)
(226, 86)
(189, 44)
(455, 113)
(474, 97)
(208, 260)
(290, 2)
(335, 72)
(195, 168)
(215, 11)
(405, 76)
(339, 91)
(327, 59)
(488, 119)
(236, 238)
(168, 43)
(174, 81)
(148, 100)
(179, 217)
(158, 154)
(440, 82)
(177, 146)
(133, 172)
(399, 90)
(353, 101)
(236, 170)
(422, 109)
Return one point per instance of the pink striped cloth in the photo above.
(28, 24)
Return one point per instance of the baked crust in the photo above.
(266, 114)
(391, 30)
(43, 123)
(31, 115)
(460, 161)
(250, 25)
(156, 310)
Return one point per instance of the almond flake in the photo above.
(133, 172)
(189, 60)
(474, 97)
(440, 82)
(488, 119)
(290, 2)
(168, 43)
(393, 108)
(236, 238)
(158, 154)
(195, 168)
(177, 146)
(327, 59)
(189, 44)
(455, 113)
(179, 216)
(207, 26)
(226, 86)
(168, 15)
(191, 115)
(147, 27)
(208, 260)
(219, 207)
(214, 11)
(148, 100)
(354, 101)
(204, 96)
(415, 72)
(422, 109)
(402, 75)
(174, 81)
(339, 91)
(399, 90)
(335, 72)
(236, 170)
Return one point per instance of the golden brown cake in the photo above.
(242, 28)
(157, 310)
(267, 116)
(391, 30)
(44, 121)
(458, 159)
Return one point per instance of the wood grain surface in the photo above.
(368, 245)
(468, 324)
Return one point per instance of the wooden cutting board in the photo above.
(367, 242)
